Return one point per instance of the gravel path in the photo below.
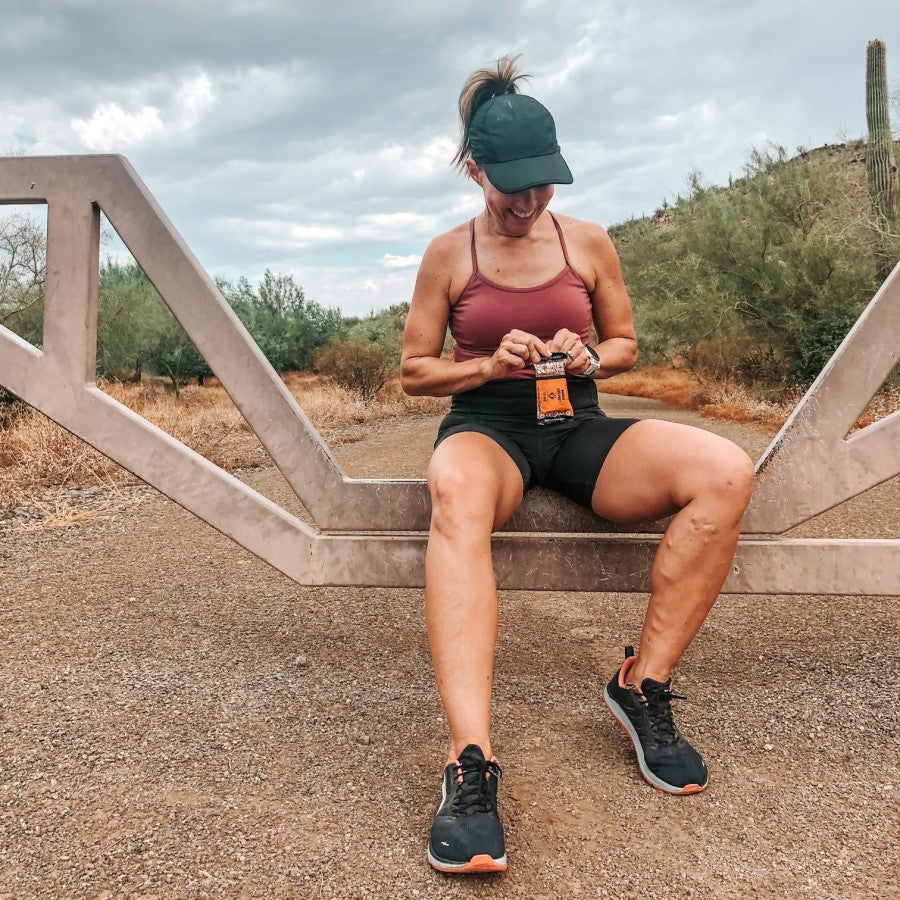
(179, 720)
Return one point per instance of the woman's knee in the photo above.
(473, 484)
(725, 475)
(463, 498)
(454, 486)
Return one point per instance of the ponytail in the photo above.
(480, 87)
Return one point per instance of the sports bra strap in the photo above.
(562, 240)
(474, 256)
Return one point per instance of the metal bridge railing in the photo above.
(372, 531)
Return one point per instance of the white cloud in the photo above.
(110, 127)
(698, 115)
(356, 290)
(585, 56)
(391, 261)
(274, 235)
(249, 95)
(413, 163)
(192, 100)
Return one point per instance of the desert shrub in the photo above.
(384, 328)
(788, 246)
(136, 331)
(715, 357)
(359, 366)
(816, 343)
(174, 355)
(11, 408)
(131, 320)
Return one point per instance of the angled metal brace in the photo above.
(812, 465)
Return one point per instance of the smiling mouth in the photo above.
(518, 215)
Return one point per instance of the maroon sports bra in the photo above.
(486, 311)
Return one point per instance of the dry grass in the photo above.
(57, 509)
(726, 400)
(885, 402)
(39, 460)
(662, 383)
(330, 406)
(730, 401)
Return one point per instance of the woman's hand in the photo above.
(517, 350)
(565, 341)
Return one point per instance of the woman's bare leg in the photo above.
(475, 487)
(657, 468)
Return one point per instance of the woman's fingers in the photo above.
(565, 341)
(579, 361)
(519, 348)
(528, 346)
(512, 357)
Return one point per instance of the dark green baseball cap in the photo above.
(513, 139)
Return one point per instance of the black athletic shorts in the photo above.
(566, 455)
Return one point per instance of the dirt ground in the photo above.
(179, 720)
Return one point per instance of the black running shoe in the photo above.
(466, 835)
(665, 758)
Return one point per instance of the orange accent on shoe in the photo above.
(626, 667)
(690, 789)
(483, 862)
(687, 789)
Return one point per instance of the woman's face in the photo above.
(513, 214)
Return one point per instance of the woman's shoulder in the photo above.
(580, 230)
(450, 242)
(448, 259)
(587, 241)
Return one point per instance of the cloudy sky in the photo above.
(314, 138)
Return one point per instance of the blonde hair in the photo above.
(481, 86)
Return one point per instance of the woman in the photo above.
(515, 285)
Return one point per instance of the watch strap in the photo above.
(594, 364)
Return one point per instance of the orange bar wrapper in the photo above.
(553, 404)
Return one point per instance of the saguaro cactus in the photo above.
(880, 166)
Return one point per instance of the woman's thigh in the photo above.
(655, 468)
(473, 476)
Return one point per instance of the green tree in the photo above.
(286, 325)
(130, 322)
(384, 328)
(23, 250)
(279, 295)
(174, 355)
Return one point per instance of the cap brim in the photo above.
(521, 174)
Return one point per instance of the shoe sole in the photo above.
(482, 862)
(621, 717)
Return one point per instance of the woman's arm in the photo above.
(422, 371)
(611, 308)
